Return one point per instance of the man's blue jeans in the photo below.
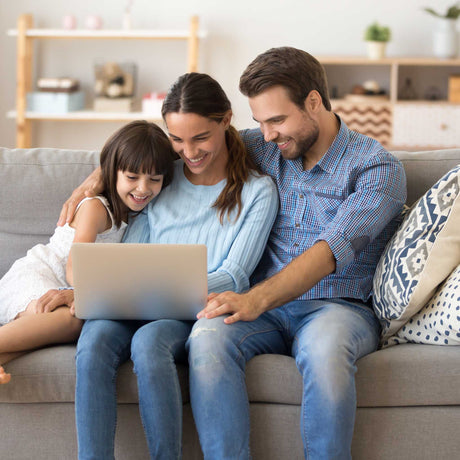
(154, 348)
(326, 337)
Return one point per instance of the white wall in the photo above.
(238, 30)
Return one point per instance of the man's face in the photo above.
(283, 122)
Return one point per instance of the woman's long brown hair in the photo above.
(200, 94)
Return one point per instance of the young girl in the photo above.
(136, 162)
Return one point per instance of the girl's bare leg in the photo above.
(30, 331)
(4, 377)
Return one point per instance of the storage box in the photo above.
(454, 88)
(55, 102)
(119, 104)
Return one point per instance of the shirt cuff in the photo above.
(341, 248)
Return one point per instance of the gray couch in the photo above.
(408, 395)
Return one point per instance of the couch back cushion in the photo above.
(423, 169)
(34, 183)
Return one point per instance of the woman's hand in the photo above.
(53, 299)
(91, 186)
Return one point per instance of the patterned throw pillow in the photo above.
(438, 322)
(420, 256)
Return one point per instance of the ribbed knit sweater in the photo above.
(183, 213)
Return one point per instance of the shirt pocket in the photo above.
(326, 203)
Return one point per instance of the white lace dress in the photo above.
(44, 268)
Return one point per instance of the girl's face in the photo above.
(200, 142)
(137, 190)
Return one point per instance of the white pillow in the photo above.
(438, 322)
(420, 256)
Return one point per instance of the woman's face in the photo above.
(200, 142)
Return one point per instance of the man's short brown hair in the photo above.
(293, 69)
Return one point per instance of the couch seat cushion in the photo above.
(48, 375)
(403, 375)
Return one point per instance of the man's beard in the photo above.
(304, 144)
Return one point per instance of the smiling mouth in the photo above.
(140, 199)
(283, 145)
(195, 161)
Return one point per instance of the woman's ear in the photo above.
(227, 119)
(313, 101)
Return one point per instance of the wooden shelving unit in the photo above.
(26, 34)
(398, 123)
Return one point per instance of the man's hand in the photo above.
(239, 306)
(53, 299)
(91, 186)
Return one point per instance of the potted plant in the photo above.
(377, 37)
(445, 33)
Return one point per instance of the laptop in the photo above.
(124, 281)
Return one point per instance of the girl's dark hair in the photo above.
(139, 147)
(200, 94)
(293, 69)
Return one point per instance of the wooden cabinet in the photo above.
(26, 35)
(427, 125)
(397, 123)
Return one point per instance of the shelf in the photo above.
(402, 61)
(88, 115)
(399, 102)
(26, 34)
(108, 34)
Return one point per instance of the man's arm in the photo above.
(297, 277)
(380, 192)
(91, 186)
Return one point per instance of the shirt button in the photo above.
(297, 225)
(300, 196)
(295, 245)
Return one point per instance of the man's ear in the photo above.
(313, 101)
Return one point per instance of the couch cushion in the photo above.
(406, 375)
(47, 177)
(48, 375)
(438, 322)
(389, 377)
(421, 254)
(424, 168)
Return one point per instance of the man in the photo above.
(341, 194)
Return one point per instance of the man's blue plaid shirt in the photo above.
(352, 199)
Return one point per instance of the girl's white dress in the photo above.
(44, 268)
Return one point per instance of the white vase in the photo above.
(445, 38)
(376, 50)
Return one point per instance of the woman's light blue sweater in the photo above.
(183, 214)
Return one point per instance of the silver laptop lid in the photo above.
(139, 281)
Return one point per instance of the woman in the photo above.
(216, 198)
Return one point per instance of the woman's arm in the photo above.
(91, 186)
(91, 219)
(249, 245)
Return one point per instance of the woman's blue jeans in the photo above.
(326, 337)
(154, 348)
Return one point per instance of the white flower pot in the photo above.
(445, 38)
(376, 50)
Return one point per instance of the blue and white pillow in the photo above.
(420, 256)
(438, 322)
